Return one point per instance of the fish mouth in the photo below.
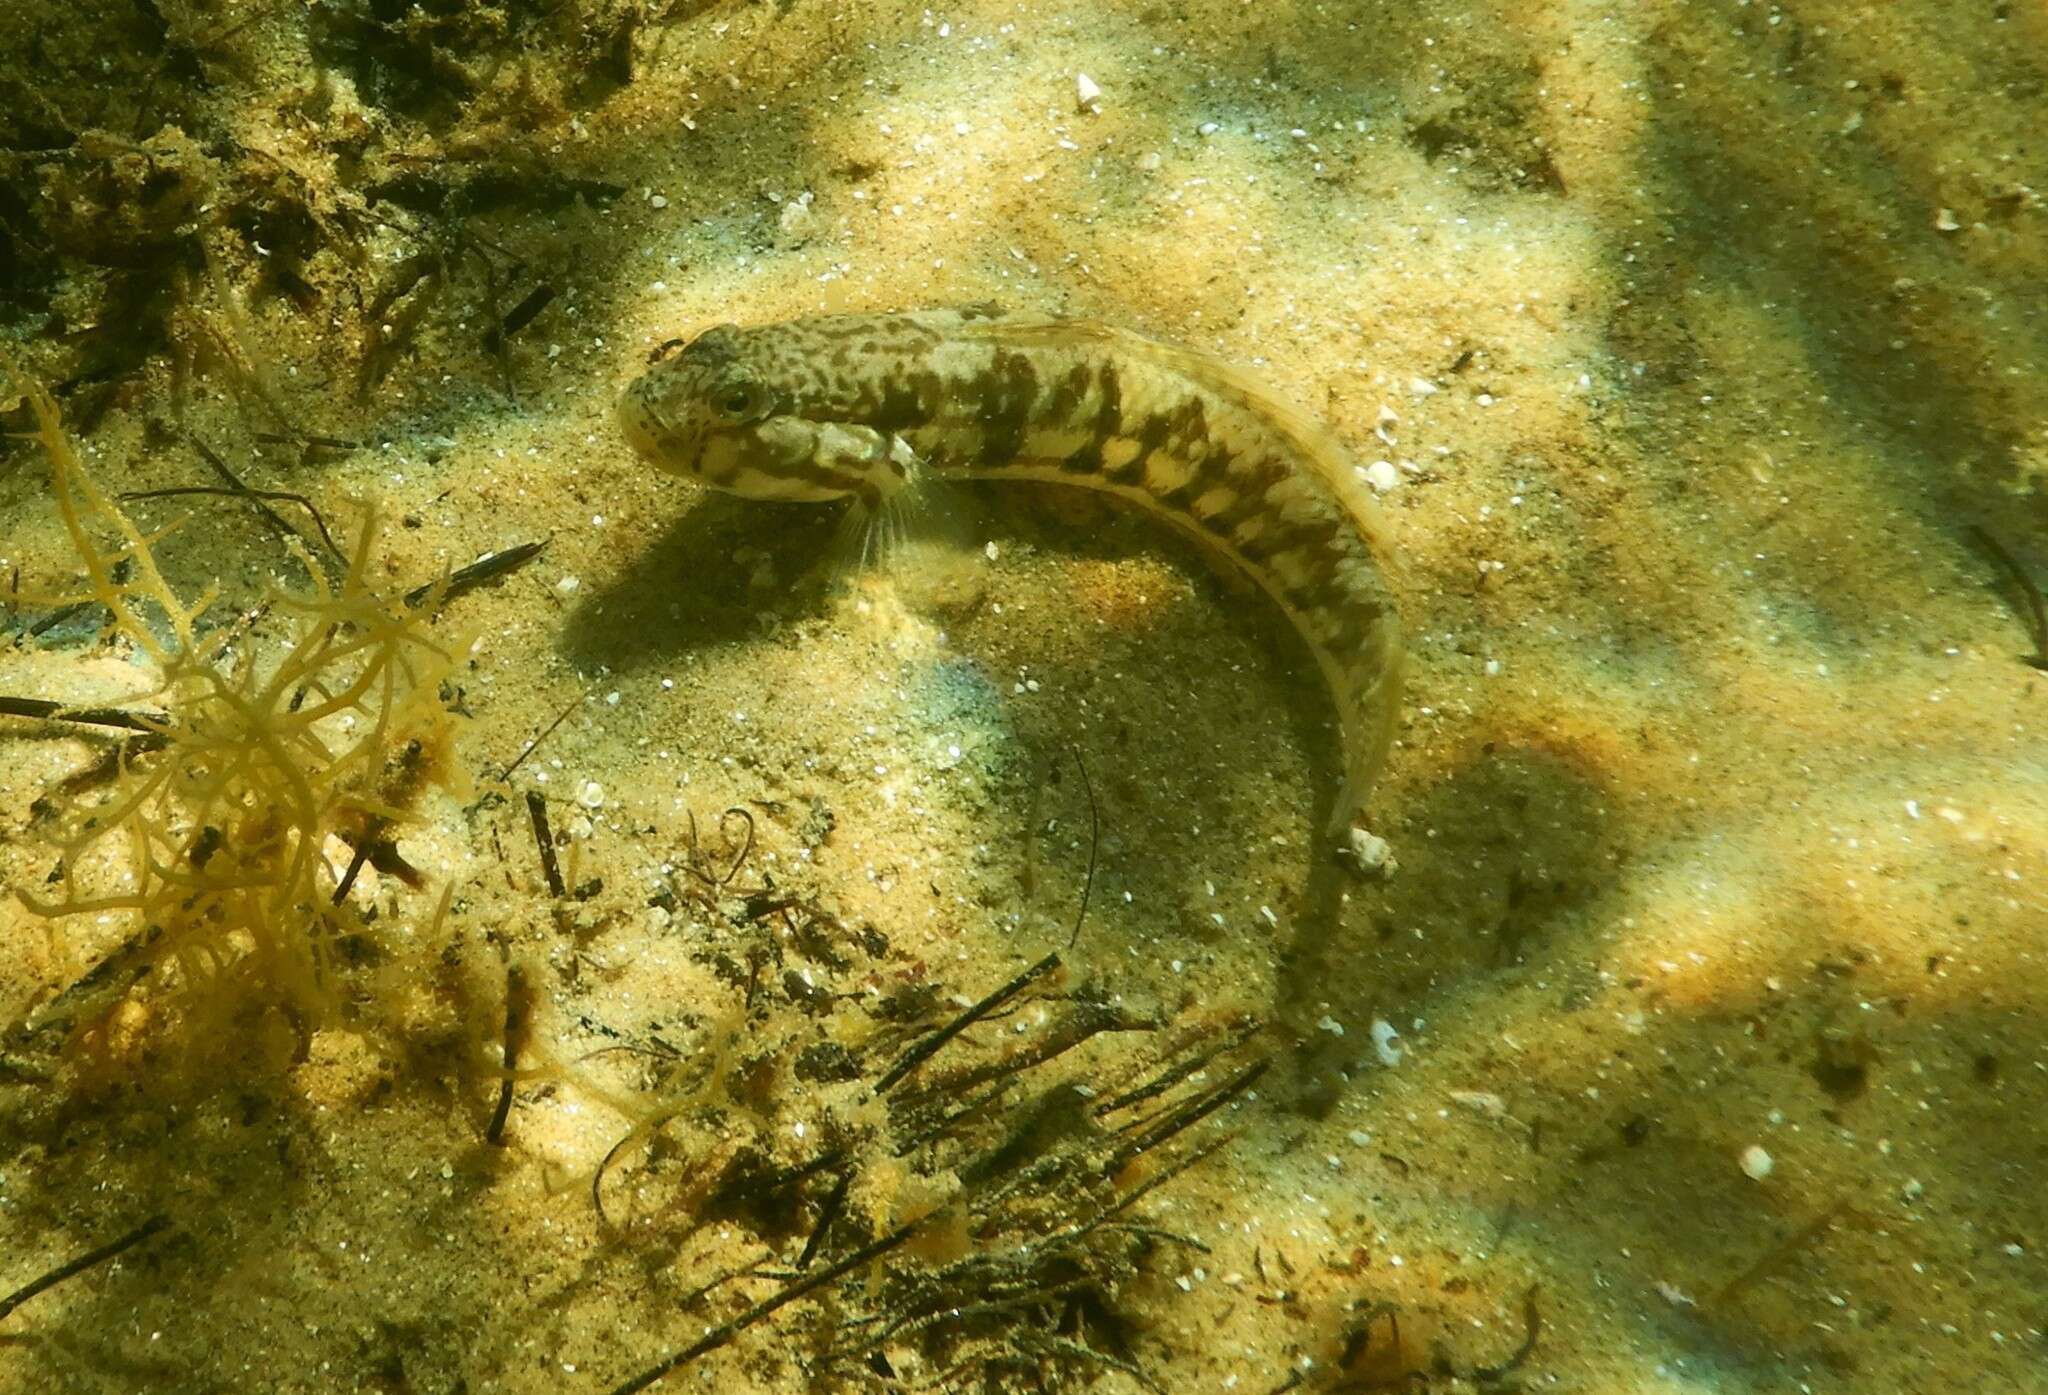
(645, 431)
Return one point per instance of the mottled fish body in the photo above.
(863, 406)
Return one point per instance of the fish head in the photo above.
(735, 409)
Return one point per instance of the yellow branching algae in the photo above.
(239, 823)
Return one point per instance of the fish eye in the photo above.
(738, 400)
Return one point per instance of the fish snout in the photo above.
(648, 432)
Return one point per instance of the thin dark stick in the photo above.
(1180, 1117)
(1094, 845)
(537, 810)
(220, 468)
(1178, 1071)
(546, 732)
(1195, 1158)
(515, 1029)
(929, 1047)
(82, 1263)
(17, 1073)
(726, 1331)
(831, 1157)
(522, 314)
(946, 1124)
(484, 568)
(122, 570)
(1532, 1320)
(1806, 1235)
(1153, 1232)
(1088, 1020)
(274, 438)
(355, 867)
(43, 709)
(835, 1202)
(57, 617)
(243, 493)
(703, 1290)
(2031, 593)
(698, 862)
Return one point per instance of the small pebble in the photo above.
(591, 796)
(1370, 853)
(1756, 1163)
(1481, 1102)
(1382, 476)
(1383, 1038)
(1087, 93)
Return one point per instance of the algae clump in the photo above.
(239, 822)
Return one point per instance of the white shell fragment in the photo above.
(1756, 1163)
(1382, 476)
(1369, 853)
(1383, 1038)
(1483, 1102)
(1087, 93)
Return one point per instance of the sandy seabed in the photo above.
(1702, 1033)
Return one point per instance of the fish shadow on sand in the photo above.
(692, 587)
(1503, 862)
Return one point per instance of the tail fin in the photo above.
(1369, 716)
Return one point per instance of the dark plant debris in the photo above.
(518, 1013)
(201, 193)
(488, 567)
(544, 839)
(72, 1268)
(982, 1148)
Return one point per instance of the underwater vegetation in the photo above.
(1000, 1176)
(183, 183)
(287, 744)
(999, 1167)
